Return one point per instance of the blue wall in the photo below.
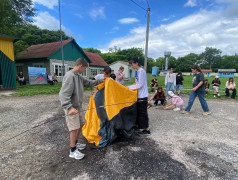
(225, 74)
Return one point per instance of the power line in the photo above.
(138, 5)
(148, 3)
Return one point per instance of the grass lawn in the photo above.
(29, 90)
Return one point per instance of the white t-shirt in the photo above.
(99, 76)
(141, 84)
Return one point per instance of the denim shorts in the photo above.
(179, 87)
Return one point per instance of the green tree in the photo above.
(92, 50)
(15, 12)
(184, 63)
(30, 35)
(160, 62)
(132, 52)
(172, 63)
(150, 63)
(210, 55)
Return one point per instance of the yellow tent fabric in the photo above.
(116, 97)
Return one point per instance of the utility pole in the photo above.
(61, 43)
(147, 39)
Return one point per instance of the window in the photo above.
(226, 73)
(38, 65)
(84, 74)
(19, 69)
(58, 68)
(93, 72)
(101, 71)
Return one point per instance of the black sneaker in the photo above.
(144, 133)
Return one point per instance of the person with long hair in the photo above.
(170, 81)
(159, 95)
(207, 85)
(120, 76)
(179, 82)
(215, 84)
(198, 90)
(231, 85)
(153, 83)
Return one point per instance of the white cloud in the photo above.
(191, 3)
(48, 3)
(189, 34)
(97, 13)
(114, 30)
(45, 21)
(128, 20)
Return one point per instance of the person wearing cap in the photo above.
(215, 84)
(142, 119)
(175, 101)
(198, 90)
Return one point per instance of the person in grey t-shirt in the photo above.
(71, 98)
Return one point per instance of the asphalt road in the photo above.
(180, 146)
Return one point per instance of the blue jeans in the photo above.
(201, 96)
(169, 87)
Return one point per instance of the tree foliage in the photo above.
(13, 13)
(92, 50)
(30, 35)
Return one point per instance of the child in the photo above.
(175, 101)
(159, 95)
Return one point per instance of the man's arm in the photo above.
(91, 83)
(65, 95)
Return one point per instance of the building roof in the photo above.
(226, 70)
(41, 50)
(206, 70)
(4, 36)
(96, 59)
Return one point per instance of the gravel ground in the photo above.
(180, 146)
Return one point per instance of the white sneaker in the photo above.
(218, 95)
(214, 96)
(80, 146)
(177, 109)
(76, 154)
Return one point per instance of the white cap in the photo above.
(170, 93)
(217, 76)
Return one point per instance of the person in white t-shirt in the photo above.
(142, 119)
(231, 85)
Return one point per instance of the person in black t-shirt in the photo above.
(21, 79)
(207, 85)
(179, 82)
(198, 90)
(215, 84)
(113, 76)
(153, 83)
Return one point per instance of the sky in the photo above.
(179, 26)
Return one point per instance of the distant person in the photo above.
(50, 79)
(170, 81)
(71, 98)
(215, 84)
(198, 90)
(175, 102)
(107, 72)
(159, 95)
(179, 83)
(55, 78)
(207, 86)
(120, 76)
(113, 76)
(153, 83)
(21, 78)
(231, 85)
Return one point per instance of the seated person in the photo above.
(231, 85)
(159, 95)
(153, 83)
(113, 76)
(206, 85)
(55, 78)
(107, 72)
(215, 84)
(175, 101)
(50, 79)
(21, 79)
